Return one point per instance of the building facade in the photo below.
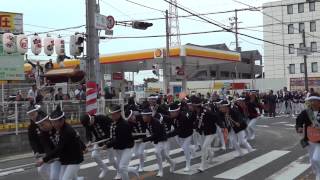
(283, 24)
(246, 69)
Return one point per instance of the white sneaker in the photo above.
(187, 169)
(172, 166)
(223, 148)
(80, 178)
(103, 173)
(239, 154)
(140, 169)
(160, 174)
(201, 169)
(117, 177)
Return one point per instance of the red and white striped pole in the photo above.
(91, 98)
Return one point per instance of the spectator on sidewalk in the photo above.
(32, 94)
(59, 95)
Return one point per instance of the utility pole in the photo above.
(306, 85)
(236, 30)
(166, 56)
(92, 41)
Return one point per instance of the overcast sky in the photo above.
(44, 15)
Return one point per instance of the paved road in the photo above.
(277, 155)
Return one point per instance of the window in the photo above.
(224, 74)
(301, 27)
(312, 6)
(301, 45)
(292, 68)
(290, 9)
(300, 7)
(291, 48)
(290, 29)
(233, 75)
(314, 67)
(313, 46)
(301, 67)
(313, 26)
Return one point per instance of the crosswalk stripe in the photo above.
(6, 173)
(292, 170)
(132, 163)
(252, 165)
(177, 160)
(216, 161)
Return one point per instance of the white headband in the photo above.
(146, 113)
(55, 119)
(36, 108)
(126, 118)
(174, 110)
(114, 111)
(38, 122)
(313, 98)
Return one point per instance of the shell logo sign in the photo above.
(158, 53)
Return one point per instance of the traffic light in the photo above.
(155, 69)
(141, 25)
(76, 44)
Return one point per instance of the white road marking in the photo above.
(250, 166)
(216, 161)
(290, 125)
(11, 172)
(264, 126)
(291, 171)
(282, 122)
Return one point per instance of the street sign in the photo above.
(108, 32)
(110, 22)
(11, 22)
(104, 22)
(304, 51)
(117, 76)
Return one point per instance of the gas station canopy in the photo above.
(144, 60)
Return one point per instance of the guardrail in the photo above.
(14, 120)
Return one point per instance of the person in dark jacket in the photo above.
(69, 148)
(183, 128)
(34, 136)
(158, 136)
(139, 129)
(271, 101)
(121, 141)
(236, 126)
(97, 128)
(252, 105)
(49, 142)
(310, 118)
(206, 126)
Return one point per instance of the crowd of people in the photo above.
(194, 122)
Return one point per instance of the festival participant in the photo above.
(159, 137)
(308, 124)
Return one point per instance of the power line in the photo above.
(159, 10)
(148, 7)
(55, 30)
(272, 17)
(108, 4)
(226, 29)
(158, 36)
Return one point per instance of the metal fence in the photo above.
(13, 117)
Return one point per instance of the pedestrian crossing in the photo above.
(239, 167)
(291, 171)
(250, 166)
